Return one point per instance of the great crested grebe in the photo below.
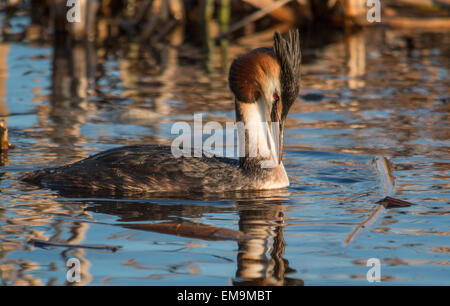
(265, 83)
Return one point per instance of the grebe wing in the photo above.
(140, 169)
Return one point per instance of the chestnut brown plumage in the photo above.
(248, 71)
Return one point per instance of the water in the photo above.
(373, 93)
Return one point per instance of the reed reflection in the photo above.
(27, 222)
(355, 46)
(260, 260)
(74, 69)
(4, 112)
(261, 244)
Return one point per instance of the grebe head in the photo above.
(265, 83)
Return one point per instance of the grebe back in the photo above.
(265, 83)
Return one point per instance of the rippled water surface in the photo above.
(373, 93)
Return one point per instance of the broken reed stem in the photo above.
(384, 171)
(365, 225)
(253, 17)
(191, 230)
(383, 168)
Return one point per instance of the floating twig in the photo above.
(363, 226)
(283, 14)
(43, 243)
(384, 171)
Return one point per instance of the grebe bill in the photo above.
(265, 83)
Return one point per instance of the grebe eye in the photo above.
(276, 97)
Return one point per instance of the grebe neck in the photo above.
(257, 139)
